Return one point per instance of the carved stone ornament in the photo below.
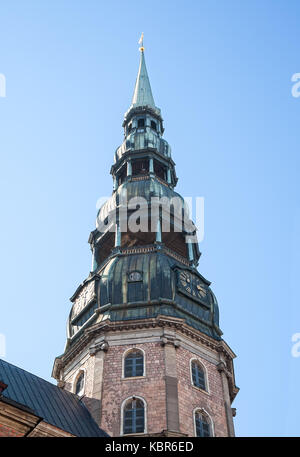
(221, 367)
(103, 346)
(169, 340)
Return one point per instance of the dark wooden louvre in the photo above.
(160, 170)
(198, 376)
(202, 425)
(134, 364)
(134, 417)
(140, 167)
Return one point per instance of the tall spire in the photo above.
(142, 95)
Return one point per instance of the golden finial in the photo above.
(141, 42)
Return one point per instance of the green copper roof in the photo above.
(142, 95)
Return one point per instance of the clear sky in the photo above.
(221, 73)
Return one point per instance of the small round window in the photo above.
(134, 276)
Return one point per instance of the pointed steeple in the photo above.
(142, 95)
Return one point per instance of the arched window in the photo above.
(79, 387)
(198, 375)
(134, 364)
(203, 424)
(134, 416)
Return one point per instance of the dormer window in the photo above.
(153, 125)
(141, 123)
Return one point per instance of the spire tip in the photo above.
(141, 42)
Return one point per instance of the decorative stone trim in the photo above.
(103, 346)
(164, 340)
(222, 368)
(160, 321)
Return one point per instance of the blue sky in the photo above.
(221, 73)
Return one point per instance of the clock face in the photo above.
(192, 285)
(83, 298)
(185, 280)
(134, 276)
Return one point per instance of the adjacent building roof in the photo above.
(54, 405)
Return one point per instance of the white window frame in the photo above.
(133, 397)
(80, 371)
(195, 359)
(123, 362)
(202, 410)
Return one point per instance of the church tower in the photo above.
(144, 349)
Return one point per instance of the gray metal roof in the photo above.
(47, 401)
(142, 95)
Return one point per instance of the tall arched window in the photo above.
(79, 387)
(203, 424)
(198, 375)
(134, 364)
(134, 416)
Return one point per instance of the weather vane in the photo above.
(141, 42)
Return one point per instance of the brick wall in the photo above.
(151, 388)
(8, 432)
(191, 397)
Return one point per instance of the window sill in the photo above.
(201, 390)
(133, 377)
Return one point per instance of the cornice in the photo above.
(119, 326)
(132, 111)
(140, 153)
